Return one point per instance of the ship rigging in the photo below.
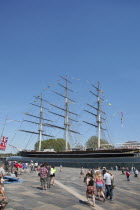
(99, 118)
(66, 117)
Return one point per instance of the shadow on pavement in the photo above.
(38, 188)
(83, 202)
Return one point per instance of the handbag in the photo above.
(38, 174)
(112, 186)
(90, 189)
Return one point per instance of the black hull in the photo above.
(82, 154)
(87, 155)
(87, 159)
(84, 162)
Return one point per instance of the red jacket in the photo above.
(127, 173)
(16, 165)
(19, 165)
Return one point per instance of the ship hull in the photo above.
(82, 153)
(84, 162)
(87, 159)
(76, 155)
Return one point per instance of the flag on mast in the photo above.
(3, 142)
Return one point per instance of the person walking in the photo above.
(90, 190)
(127, 175)
(107, 179)
(36, 166)
(112, 184)
(16, 173)
(82, 172)
(136, 173)
(52, 174)
(61, 168)
(48, 176)
(20, 168)
(31, 167)
(43, 176)
(123, 170)
(99, 185)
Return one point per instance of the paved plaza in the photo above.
(69, 193)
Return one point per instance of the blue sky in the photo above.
(89, 40)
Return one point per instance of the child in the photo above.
(60, 168)
(82, 172)
(127, 175)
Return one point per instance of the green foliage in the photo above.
(93, 142)
(79, 146)
(57, 144)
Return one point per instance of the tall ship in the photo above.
(99, 156)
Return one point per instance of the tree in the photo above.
(79, 146)
(57, 144)
(93, 142)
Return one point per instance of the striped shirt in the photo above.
(43, 172)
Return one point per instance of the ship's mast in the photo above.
(66, 110)
(66, 117)
(40, 124)
(66, 123)
(98, 114)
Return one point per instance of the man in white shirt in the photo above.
(136, 173)
(107, 179)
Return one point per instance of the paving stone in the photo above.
(47, 207)
(31, 194)
(28, 194)
(14, 204)
(81, 207)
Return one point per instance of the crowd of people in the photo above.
(128, 172)
(45, 171)
(99, 182)
(47, 175)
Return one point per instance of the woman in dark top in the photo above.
(90, 190)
